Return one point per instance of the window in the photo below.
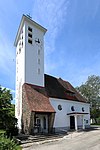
(29, 41)
(72, 108)
(83, 109)
(86, 121)
(30, 29)
(71, 94)
(38, 122)
(22, 44)
(30, 35)
(19, 43)
(17, 69)
(39, 61)
(38, 51)
(38, 70)
(19, 50)
(59, 107)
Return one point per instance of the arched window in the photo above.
(72, 108)
(83, 109)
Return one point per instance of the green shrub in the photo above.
(7, 144)
(12, 132)
(2, 133)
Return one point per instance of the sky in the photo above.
(72, 42)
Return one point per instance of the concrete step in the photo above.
(38, 138)
(29, 143)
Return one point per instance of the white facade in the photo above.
(62, 119)
(29, 45)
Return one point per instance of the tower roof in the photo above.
(28, 19)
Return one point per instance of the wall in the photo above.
(27, 118)
(32, 56)
(61, 117)
(27, 64)
(20, 69)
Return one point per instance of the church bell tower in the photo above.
(29, 45)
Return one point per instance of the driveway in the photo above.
(88, 140)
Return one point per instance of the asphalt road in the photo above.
(89, 140)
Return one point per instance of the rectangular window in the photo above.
(30, 29)
(86, 121)
(30, 35)
(17, 69)
(19, 43)
(29, 41)
(38, 51)
(38, 70)
(19, 50)
(39, 61)
(22, 43)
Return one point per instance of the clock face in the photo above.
(38, 42)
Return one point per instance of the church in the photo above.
(44, 104)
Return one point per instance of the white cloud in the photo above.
(52, 15)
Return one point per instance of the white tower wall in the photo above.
(32, 66)
(29, 59)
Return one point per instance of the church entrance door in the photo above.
(72, 122)
(41, 123)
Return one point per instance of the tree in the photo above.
(91, 91)
(7, 110)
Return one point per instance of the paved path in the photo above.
(76, 141)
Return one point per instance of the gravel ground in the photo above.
(89, 140)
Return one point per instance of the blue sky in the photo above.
(72, 43)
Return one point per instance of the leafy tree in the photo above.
(95, 114)
(91, 91)
(7, 118)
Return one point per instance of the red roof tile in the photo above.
(37, 101)
(38, 97)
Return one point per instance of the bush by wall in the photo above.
(7, 144)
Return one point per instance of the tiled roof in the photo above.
(59, 88)
(38, 97)
(37, 101)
